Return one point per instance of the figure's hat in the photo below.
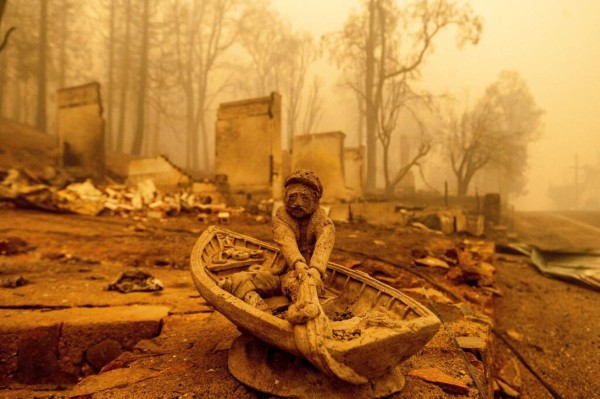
(306, 177)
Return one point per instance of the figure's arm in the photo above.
(285, 238)
(324, 245)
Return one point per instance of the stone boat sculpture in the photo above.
(372, 327)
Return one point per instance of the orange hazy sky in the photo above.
(553, 44)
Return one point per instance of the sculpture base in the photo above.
(273, 371)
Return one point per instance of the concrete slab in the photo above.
(182, 361)
(50, 346)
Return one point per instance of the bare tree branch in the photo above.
(386, 42)
(494, 132)
(6, 37)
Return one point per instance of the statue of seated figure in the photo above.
(305, 236)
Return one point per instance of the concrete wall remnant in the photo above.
(208, 191)
(353, 169)
(377, 213)
(339, 213)
(81, 129)
(492, 207)
(248, 146)
(323, 153)
(165, 175)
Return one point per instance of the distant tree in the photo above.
(263, 38)
(123, 36)
(3, 81)
(63, 38)
(45, 53)
(66, 59)
(397, 99)
(496, 131)
(142, 90)
(280, 60)
(6, 36)
(314, 107)
(204, 32)
(164, 90)
(42, 71)
(63, 15)
(301, 53)
(111, 59)
(392, 42)
(19, 72)
(124, 78)
(2, 60)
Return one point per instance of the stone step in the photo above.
(62, 346)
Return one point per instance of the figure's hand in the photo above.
(301, 267)
(316, 275)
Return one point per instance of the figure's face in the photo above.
(300, 200)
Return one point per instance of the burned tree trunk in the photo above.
(141, 99)
(41, 120)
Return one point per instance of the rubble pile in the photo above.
(13, 246)
(55, 191)
(471, 263)
(136, 280)
(448, 221)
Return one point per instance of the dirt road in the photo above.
(553, 325)
(67, 308)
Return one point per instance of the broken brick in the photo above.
(436, 376)
(13, 246)
(104, 352)
(37, 355)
